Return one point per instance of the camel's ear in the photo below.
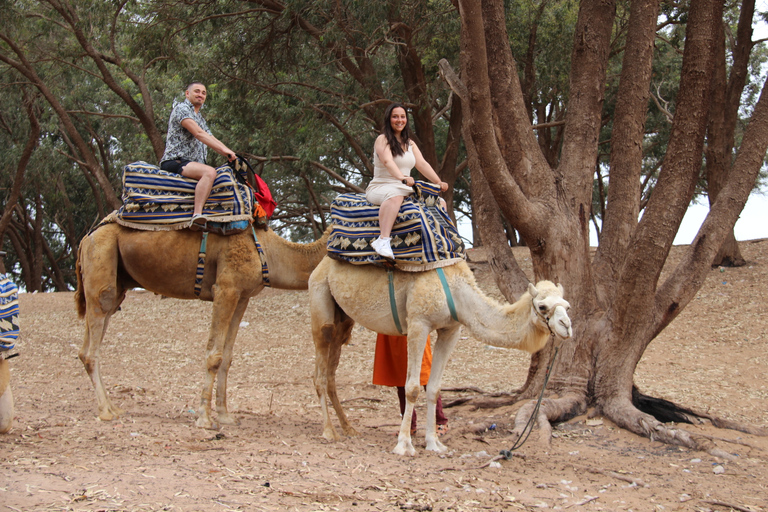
(562, 290)
(532, 290)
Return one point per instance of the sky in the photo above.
(752, 223)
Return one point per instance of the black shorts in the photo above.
(175, 166)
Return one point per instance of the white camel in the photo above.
(341, 293)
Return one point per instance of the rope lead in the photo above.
(507, 454)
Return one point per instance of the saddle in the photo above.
(9, 313)
(157, 200)
(423, 237)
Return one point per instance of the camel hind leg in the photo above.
(331, 328)
(341, 335)
(103, 296)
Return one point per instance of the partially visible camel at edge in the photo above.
(113, 259)
(6, 397)
(341, 294)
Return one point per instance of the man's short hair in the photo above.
(193, 83)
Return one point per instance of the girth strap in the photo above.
(448, 296)
(200, 264)
(264, 268)
(392, 302)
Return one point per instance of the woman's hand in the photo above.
(443, 186)
(409, 181)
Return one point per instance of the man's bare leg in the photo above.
(205, 175)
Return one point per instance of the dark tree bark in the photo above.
(21, 167)
(726, 100)
(27, 69)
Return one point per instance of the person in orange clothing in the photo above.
(390, 367)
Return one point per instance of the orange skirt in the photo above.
(390, 363)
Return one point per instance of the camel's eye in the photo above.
(542, 308)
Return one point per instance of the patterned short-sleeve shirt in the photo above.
(180, 143)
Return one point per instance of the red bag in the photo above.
(264, 196)
(260, 189)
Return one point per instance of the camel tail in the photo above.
(79, 295)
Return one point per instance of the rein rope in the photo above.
(507, 454)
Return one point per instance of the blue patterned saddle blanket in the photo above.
(9, 313)
(423, 238)
(154, 199)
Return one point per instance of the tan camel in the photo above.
(341, 293)
(113, 259)
(6, 397)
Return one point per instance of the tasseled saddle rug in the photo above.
(157, 200)
(9, 313)
(423, 238)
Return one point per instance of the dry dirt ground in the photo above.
(60, 457)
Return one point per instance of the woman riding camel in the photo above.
(394, 155)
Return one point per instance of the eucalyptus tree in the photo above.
(306, 84)
(620, 303)
(85, 64)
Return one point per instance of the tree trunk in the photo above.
(617, 301)
(21, 166)
(726, 99)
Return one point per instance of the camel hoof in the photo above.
(331, 435)
(111, 413)
(404, 448)
(436, 446)
(351, 432)
(227, 419)
(206, 423)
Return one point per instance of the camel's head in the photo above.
(551, 308)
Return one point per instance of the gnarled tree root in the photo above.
(645, 416)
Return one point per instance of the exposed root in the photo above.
(483, 402)
(728, 505)
(645, 416)
(666, 411)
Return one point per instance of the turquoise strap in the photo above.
(392, 302)
(200, 271)
(448, 296)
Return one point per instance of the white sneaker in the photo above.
(382, 248)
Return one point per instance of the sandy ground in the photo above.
(60, 457)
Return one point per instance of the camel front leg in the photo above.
(221, 379)
(444, 345)
(225, 302)
(417, 341)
